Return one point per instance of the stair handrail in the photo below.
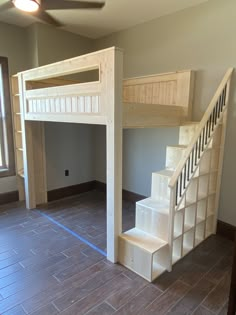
(219, 102)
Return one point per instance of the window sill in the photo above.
(4, 172)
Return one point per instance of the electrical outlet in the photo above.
(66, 172)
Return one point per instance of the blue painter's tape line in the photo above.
(74, 234)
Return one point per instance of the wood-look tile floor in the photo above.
(45, 270)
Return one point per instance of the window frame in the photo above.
(6, 123)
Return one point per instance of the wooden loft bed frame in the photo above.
(159, 100)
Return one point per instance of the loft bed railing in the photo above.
(202, 139)
(155, 100)
(148, 101)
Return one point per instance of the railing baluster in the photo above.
(203, 138)
(192, 160)
(199, 149)
(219, 106)
(225, 90)
(207, 126)
(188, 168)
(176, 192)
(185, 175)
(196, 149)
(213, 119)
(180, 185)
(210, 119)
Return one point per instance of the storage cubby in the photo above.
(16, 102)
(203, 186)
(191, 191)
(199, 233)
(160, 261)
(188, 241)
(189, 217)
(177, 249)
(211, 205)
(17, 122)
(204, 165)
(201, 210)
(210, 225)
(213, 182)
(178, 224)
(18, 137)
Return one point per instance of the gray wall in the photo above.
(144, 152)
(55, 44)
(69, 146)
(200, 38)
(37, 45)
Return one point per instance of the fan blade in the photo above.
(6, 6)
(44, 16)
(65, 5)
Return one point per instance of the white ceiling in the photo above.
(115, 16)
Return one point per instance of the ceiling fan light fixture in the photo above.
(27, 5)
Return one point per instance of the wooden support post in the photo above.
(33, 156)
(114, 155)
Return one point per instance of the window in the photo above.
(6, 141)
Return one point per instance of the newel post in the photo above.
(114, 131)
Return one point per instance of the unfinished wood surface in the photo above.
(17, 133)
(157, 100)
(98, 102)
(184, 214)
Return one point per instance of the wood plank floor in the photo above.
(46, 270)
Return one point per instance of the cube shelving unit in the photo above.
(195, 216)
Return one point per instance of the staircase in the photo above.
(182, 209)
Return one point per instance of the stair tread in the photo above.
(189, 123)
(158, 205)
(165, 172)
(144, 240)
(178, 146)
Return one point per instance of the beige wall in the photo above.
(200, 38)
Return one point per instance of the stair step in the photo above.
(160, 206)
(152, 217)
(143, 240)
(186, 132)
(160, 180)
(174, 154)
(144, 254)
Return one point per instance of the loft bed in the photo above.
(43, 94)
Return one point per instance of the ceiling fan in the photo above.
(38, 8)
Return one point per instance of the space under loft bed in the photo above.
(44, 94)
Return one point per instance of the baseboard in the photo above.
(226, 230)
(126, 195)
(8, 197)
(69, 191)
